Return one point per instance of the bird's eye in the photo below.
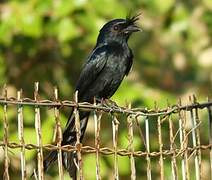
(116, 27)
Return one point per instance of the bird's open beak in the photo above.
(131, 29)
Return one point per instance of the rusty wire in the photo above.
(109, 151)
(184, 151)
(116, 109)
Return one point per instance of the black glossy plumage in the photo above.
(109, 62)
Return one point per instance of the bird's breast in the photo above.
(118, 61)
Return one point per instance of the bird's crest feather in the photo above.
(132, 19)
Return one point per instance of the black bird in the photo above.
(109, 62)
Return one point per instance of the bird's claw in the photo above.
(108, 103)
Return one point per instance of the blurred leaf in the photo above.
(208, 4)
(31, 25)
(5, 33)
(124, 165)
(2, 71)
(25, 20)
(159, 6)
(44, 7)
(110, 7)
(89, 166)
(67, 30)
(63, 8)
(129, 95)
(162, 5)
(28, 113)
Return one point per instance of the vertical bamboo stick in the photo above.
(6, 126)
(173, 159)
(197, 130)
(59, 135)
(21, 136)
(78, 135)
(97, 121)
(161, 149)
(115, 124)
(210, 136)
(38, 134)
(149, 177)
(183, 162)
(131, 147)
(183, 144)
(194, 141)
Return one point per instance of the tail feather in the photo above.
(69, 138)
(70, 157)
(51, 158)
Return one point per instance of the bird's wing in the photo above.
(91, 69)
(130, 62)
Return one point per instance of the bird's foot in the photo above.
(107, 103)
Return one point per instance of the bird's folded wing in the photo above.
(91, 69)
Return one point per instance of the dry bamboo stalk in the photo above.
(97, 121)
(194, 141)
(115, 124)
(130, 147)
(21, 136)
(59, 136)
(78, 135)
(149, 176)
(197, 122)
(183, 144)
(39, 135)
(6, 126)
(183, 162)
(173, 158)
(161, 149)
(210, 136)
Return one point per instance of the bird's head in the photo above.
(118, 30)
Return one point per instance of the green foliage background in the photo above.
(48, 41)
